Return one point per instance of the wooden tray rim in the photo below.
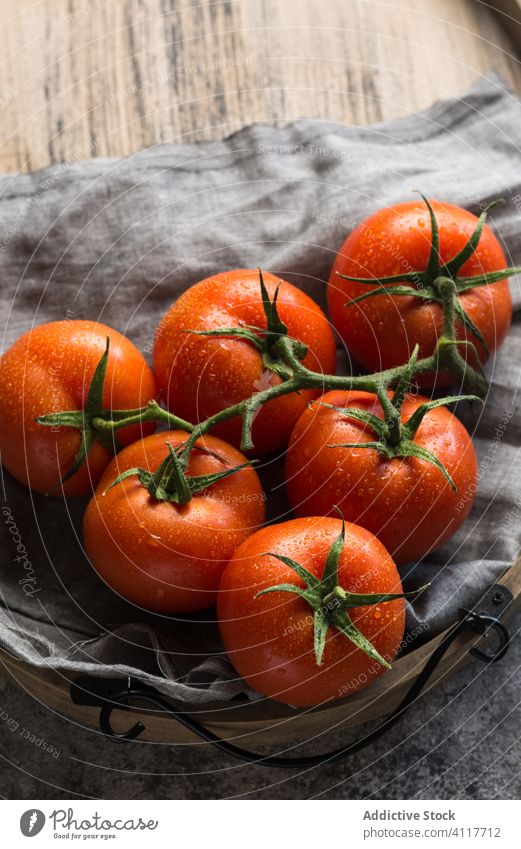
(265, 719)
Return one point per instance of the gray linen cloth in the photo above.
(118, 239)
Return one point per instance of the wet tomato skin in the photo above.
(158, 555)
(382, 331)
(48, 370)
(405, 502)
(200, 375)
(269, 638)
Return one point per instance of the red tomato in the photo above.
(157, 554)
(382, 331)
(48, 370)
(270, 638)
(405, 501)
(200, 375)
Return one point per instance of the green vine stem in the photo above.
(104, 424)
(394, 437)
(152, 412)
(284, 355)
(446, 357)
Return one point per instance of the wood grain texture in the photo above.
(509, 14)
(81, 78)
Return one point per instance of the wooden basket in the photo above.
(266, 722)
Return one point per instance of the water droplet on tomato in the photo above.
(154, 540)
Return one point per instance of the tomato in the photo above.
(382, 330)
(406, 501)
(200, 375)
(49, 370)
(164, 556)
(270, 638)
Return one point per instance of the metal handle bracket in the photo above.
(114, 693)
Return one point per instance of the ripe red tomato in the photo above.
(405, 501)
(49, 370)
(160, 555)
(270, 638)
(200, 375)
(381, 331)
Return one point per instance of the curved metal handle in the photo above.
(123, 701)
(481, 623)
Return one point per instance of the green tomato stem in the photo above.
(302, 378)
(285, 357)
(151, 413)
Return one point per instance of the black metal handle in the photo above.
(101, 692)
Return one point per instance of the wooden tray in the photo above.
(265, 722)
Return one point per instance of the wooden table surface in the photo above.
(82, 78)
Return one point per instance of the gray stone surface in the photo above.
(461, 741)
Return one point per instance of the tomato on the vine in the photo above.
(49, 370)
(413, 495)
(202, 368)
(160, 530)
(404, 253)
(310, 611)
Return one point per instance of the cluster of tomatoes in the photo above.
(312, 608)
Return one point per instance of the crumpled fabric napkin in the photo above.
(118, 239)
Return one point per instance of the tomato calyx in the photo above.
(171, 481)
(395, 438)
(426, 284)
(265, 339)
(83, 419)
(331, 603)
(96, 423)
